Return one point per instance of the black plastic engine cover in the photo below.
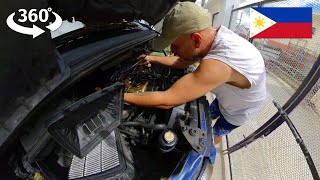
(81, 126)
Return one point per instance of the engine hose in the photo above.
(145, 125)
(128, 133)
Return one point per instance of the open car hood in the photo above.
(104, 11)
(31, 69)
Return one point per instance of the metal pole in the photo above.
(229, 158)
(202, 2)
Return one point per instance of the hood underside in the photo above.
(103, 11)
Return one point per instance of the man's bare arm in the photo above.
(209, 75)
(138, 99)
(174, 62)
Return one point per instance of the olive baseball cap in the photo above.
(183, 18)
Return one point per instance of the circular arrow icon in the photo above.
(35, 31)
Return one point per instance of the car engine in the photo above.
(142, 146)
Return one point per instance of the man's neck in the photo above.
(209, 35)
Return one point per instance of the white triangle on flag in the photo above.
(259, 22)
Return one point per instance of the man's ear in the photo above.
(197, 39)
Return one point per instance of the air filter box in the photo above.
(84, 124)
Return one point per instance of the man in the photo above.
(230, 67)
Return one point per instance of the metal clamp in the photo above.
(194, 136)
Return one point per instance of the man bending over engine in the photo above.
(230, 67)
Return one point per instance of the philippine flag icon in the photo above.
(281, 22)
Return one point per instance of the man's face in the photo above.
(183, 47)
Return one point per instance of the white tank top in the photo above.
(239, 105)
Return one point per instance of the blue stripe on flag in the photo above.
(287, 14)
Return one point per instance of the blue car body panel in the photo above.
(191, 164)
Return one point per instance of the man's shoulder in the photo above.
(212, 63)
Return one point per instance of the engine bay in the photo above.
(148, 142)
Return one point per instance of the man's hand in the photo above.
(144, 59)
(174, 62)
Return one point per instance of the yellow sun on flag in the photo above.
(259, 22)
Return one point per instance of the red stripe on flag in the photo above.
(287, 30)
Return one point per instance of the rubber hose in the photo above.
(145, 125)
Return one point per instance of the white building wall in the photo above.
(224, 7)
